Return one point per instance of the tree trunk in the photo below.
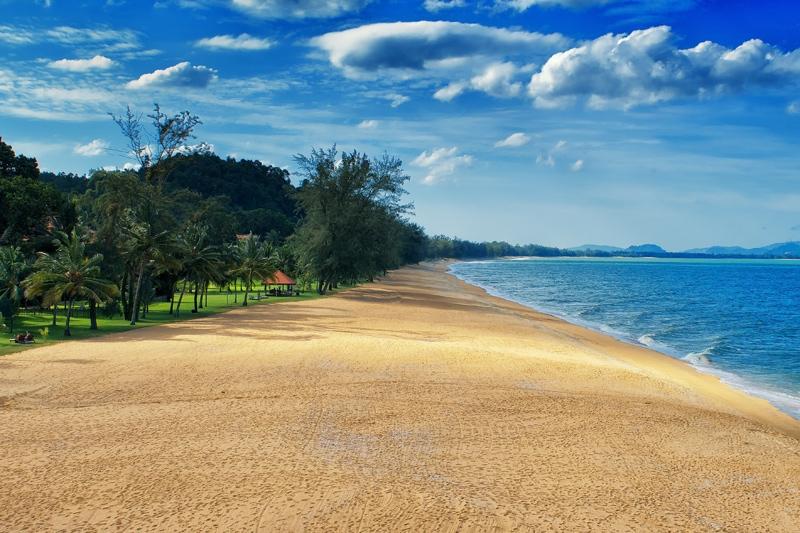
(135, 303)
(126, 302)
(173, 287)
(246, 292)
(180, 299)
(67, 332)
(92, 314)
(196, 290)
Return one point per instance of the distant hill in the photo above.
(595, 247)
(646, 249)
(791, 249)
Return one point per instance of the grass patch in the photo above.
(218, 301)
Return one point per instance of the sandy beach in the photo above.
(417, 403)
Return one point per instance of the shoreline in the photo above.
(418, 402)
(742, 402)
(730, 378)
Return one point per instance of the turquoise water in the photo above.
(738, 319)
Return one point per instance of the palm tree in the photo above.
(13, 269)
(253, 259)
(68, 275)
(145, 247)
(201, 262)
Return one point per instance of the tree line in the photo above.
(186, 219)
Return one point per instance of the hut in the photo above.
(279, 284)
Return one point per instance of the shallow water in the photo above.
(738, 319)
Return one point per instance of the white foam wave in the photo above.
(787, 402)
(647, 340)
(700, 358)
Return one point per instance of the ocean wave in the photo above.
(700, 358)
(647, 340)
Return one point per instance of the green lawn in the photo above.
(218, 301)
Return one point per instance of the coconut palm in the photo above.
(254, 259)
(13, 269)
(202, 262)
(69, 275)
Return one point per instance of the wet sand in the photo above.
(418, 403)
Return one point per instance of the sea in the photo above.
(738, 319)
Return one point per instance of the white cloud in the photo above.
(125, 166)
(396, 100)
(15, 35)
(497, 80)
(425, 47)
(245, 42)
(548, 158)
(577, 166)
(368, 124)
(523, 5)
(91, 149)
(181, 75)
(441, 163)
(104, 38)
(793, 108)
(628, 7)
(438, 5)
(515, 140)
(645, 67)
(116, 40)
(450, 91)
(98, 62)
(298, 9)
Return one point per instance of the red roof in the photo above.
(279, 278)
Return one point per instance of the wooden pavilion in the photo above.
(279, 284)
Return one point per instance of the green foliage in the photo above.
(353, 216)
(67, 183)
(69, 275)
(260, 196)
(13, 165)
(253, 260)
(14, 267)
(29, 209)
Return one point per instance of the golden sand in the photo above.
(417, 403)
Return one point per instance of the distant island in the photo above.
(441, 246)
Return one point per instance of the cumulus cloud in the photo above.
(515, 140)
(793, 108)
(441, 163)
(438, 5)
(297, 9)
(98, 62)
(450, 91)
(409, 48)
(181, 75)
(645, 66)
(91, 149)
(245, 42)
(497, 80)
(368, 124)
(577, 166)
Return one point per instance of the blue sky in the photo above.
(560, 122)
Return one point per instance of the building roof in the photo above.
(279, 278)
